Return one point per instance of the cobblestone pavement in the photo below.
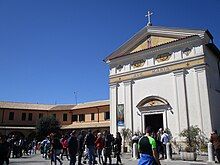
(126, 158)
(38, 160)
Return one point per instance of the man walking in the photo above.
(147, 148)
(90, 144)
(215, 140)
(73, 147)
(80, 139)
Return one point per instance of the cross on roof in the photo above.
(148, 15)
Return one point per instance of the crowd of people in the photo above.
(161, 138)
(151, 146)
(88, 146)
(15, 147)
(92, 148)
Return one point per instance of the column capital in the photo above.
(179, 72)
(113, 85)
(199, 68)
(128, 82)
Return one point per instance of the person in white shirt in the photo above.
(164, 140)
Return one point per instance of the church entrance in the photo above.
(153, 112)
(153, 120)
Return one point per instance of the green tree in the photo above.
(47, 125)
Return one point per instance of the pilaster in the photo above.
(202, 98)
(181, 99)
(128, 104)
(197, 71)
(113, 108)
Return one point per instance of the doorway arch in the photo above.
(153, 111)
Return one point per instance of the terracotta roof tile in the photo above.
(30, 106)
(92, 104)
(63, 107)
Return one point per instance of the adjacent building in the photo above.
(21, 118)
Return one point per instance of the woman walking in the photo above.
(55, 149)
(99, 143)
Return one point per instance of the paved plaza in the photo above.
(126, 158)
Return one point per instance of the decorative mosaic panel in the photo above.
(163, 57)
(138, 63)
(187, 51)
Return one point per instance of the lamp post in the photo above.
(75, 94)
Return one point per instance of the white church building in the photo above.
(165, 78)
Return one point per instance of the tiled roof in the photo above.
(92, 104)
(87, 125)
(30, 106)
(63, 107)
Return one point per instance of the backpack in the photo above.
(145, 146)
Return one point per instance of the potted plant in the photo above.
(126, 134)
(193, 140)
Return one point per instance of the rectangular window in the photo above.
(30, 117)
(23, 117)
(11, 116)
(40, 115)
(54, 115)
(74, 118)
(92, 116)
(107, 115)
(65, 117)
(82, 117)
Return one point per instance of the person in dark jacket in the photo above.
(215, 140)
(4, 150)
(108, 147)
(90, 144)
(117, 148)
(73, 147)
(80, 139)
(56, 147)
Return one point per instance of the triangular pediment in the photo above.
(151, 41)
(157, 36)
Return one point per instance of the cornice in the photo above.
(157, 70)
(156, 66)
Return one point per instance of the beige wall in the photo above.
(98, 112)
(4, 114)
(18, 117)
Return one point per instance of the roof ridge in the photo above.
(92, 102)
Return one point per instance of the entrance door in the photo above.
(154, 120)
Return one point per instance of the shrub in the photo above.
(195, 139)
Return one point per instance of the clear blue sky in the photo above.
(51, 48)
